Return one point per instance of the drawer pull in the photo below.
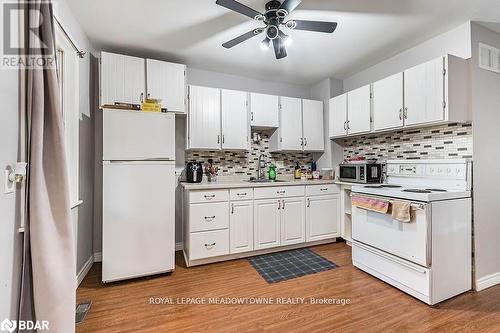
(241, 194)
(323, 189)
(209, 197)
(210, 246)
(281, 192)
(209, 218)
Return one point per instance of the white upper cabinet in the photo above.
(289, 135)
(167, 81)
(122, 79)
(312, 115)
(264, 110)
(204, 121)
(359, 110)
(338, 116)
(424, 93)
(388, 103)
(235, 122)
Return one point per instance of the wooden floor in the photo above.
(375, 306)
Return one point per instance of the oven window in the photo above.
(348, 172)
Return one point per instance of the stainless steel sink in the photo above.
(260, 181)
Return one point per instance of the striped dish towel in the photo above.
(376, 205)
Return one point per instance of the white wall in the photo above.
(10, 238)
(84, 220)
(455, 42)
(486, 121)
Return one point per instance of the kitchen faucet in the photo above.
(260, 173)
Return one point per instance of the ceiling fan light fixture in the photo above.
(291, 24)
(264, 45)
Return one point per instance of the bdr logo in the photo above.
(22, 325)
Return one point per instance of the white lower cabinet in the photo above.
(267, 223)
(293, 221)
(322, 217)
(241, 227)
(209, 244)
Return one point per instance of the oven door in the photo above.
(409, 241)
(349, 173)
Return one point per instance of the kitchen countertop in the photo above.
(232, 183)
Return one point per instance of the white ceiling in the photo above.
(192, 31)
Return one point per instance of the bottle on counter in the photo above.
(298, 172)
(272, 172)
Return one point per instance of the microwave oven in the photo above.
(365, 173)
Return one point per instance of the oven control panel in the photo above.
(439, 170)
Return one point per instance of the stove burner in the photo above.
(411, 190)
(436, 190)
(392, 186)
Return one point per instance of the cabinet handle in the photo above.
(305, 141)
(209, 218)
(142, 97)
(281, 192)
(302, 142)
(323, 189)
(279, 204)
(251, 116)
(218, 138)
(348, 124)
(223, 138)
(308, 203)
(241, 194)
(283, 204)
(400, 114)
(406, 113)
(345, 125)
(210, 246)
(209, 197)
(149, 95)
(232, 208)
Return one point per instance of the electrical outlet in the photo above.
(9, 187)
(280, 164)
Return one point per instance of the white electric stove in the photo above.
(429, 257)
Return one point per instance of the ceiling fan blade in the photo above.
(279, 48)
(239, 8)
(242, 38)
(316, 26)
(290, 5)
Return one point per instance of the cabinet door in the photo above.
(264, 110)
(204, 118)
(291, 124)
(167, 81)
(338, 116)
(312, 115)
(388, 102)
(241, 227)
(424, 93)
(123, 79)
(322, 217)
(293, 221)
(235, 126)
(266, 223)
(359, 110)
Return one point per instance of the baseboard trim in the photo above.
(98, 257)
(488, 281)
(84, 271)
(179, 246)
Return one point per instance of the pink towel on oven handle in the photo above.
(376, 205)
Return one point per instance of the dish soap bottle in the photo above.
(298, 172)
(272, 172)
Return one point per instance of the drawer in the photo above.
(402, 274)
(238, 194)
(322, 189)
(279, 192)
(208, 196)
(208, 244)
(208, 216)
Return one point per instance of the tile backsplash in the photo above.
(233, 163)
(444, 141)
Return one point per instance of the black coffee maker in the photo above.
(194, 172)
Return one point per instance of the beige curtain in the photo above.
(50, 280)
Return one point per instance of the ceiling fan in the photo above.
(273, 18)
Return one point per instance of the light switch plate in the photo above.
(9, 186)
(280, 164)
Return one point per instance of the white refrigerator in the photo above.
(138, 227)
